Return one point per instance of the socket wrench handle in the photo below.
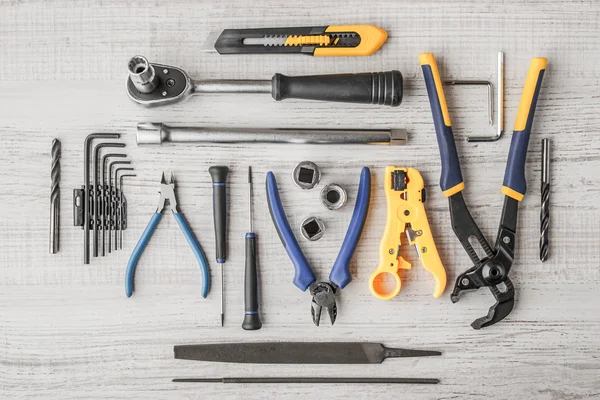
(381, 88)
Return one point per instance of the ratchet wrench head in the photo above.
(150, 84)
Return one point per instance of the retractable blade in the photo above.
(332, 40)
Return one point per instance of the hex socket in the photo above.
(142, 74)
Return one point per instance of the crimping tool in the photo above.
(333, 40)
(491, 270)
(323, 292)
(405, 196)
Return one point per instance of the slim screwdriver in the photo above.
(218, 175)
(251, 318)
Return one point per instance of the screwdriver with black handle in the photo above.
(218, 175)
(251, 318)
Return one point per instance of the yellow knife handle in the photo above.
(371, 39)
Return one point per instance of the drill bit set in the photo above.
(99, 206)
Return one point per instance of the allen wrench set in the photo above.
(99, 205)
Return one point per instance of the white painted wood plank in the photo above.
(68, 331)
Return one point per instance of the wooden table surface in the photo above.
(67, 331)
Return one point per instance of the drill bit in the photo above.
(545, 206)
(55, 197)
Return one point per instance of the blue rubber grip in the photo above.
(137, 252)
(514, 175)
(200, 256)
(340, 273)
(451, 175)
(303, 274)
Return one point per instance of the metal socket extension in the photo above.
(306, 175)
(333, 196)
(156, 133)
(312, 228)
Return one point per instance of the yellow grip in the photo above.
(371, 39)
(537, 65)
(405, 213)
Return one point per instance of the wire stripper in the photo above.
(405, 196)
(332, 40)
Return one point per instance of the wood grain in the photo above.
(67, 329)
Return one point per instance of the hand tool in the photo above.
(312, 228)
(322, 292)
(405, 197)
(474, 82)
(499, 106)
(218, 174)
(169, 199)
(111, 198)
(492, 270)
(331, 380)
(105, 189)
(333, 40)
(545, 206)
(251, 317)
(306, 175)
(85, 199)
(55, 197)
(333, 196)
(150, 85)
(121, 210)
(115, 216)
(159, 133)
(296, 352)
(97, 190)
(499, 102)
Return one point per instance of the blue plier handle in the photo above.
(147, 234)
(340, 272)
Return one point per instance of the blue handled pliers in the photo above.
(323, 292)
(167, 198)
(492, 269)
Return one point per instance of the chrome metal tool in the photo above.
(156, 133)
(150, 85)
(545, 206)
(55, 197)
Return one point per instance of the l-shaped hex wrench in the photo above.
(150, 84)
(156, 133)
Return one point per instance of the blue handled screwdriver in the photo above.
(251, 317)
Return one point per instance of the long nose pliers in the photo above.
(167, 198)
(323, 292)
(492, 270)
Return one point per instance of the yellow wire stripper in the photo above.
(405, 196)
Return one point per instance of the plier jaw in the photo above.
(167, 195)
(323, 296)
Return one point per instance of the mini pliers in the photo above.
(167, 198)
(492, 270)
(323, 292)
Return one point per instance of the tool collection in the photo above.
(100, 206)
